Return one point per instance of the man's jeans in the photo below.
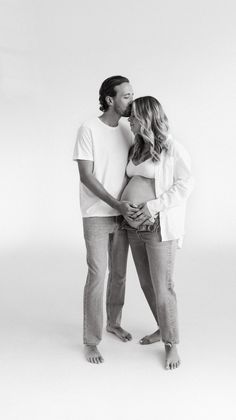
(154, 261)
(104, 239)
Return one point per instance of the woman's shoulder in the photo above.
(174, 146)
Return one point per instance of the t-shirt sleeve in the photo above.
(83, 145)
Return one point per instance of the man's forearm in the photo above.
(97, 188)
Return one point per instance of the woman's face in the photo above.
(134, 123)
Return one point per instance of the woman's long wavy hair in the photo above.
(154, 127)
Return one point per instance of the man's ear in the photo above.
(109, 100)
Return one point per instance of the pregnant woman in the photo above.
(160, 183)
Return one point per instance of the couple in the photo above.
(133, 191)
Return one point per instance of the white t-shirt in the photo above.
(108, 148)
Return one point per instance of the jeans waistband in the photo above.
(142, 228)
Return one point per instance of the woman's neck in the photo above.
(145, 155)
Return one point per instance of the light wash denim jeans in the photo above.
(106, 245)
(154, 261)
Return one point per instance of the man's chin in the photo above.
(126, 113)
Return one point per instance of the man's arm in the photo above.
(90, 181)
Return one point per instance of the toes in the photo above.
(122, 338)
(120, 333)
(172, 365)
(124, 335)
(95, 359)
(144, 340)
(127, 337)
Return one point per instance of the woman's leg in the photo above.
(161, 257)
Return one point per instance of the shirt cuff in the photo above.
(153, 209)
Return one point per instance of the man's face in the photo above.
(123, 100)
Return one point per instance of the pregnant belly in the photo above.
(139, 190)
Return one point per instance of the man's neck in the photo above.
(110, 118)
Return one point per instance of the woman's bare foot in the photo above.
(120, 333)
(152, 338)
(172, 357)
(93, 355)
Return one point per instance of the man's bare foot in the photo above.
(172, 357)
(93, 355)
(152, 338)
(120, 333)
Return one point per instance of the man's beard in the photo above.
(127, 111)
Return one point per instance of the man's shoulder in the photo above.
(90, 123)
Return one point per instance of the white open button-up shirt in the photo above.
(173, 185)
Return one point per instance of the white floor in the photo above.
(43, 374)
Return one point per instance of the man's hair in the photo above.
(108, 89)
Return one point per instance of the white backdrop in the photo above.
(54, 56)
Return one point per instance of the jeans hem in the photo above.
(170, 343)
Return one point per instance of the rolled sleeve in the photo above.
(153, 209)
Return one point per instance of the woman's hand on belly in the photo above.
(141, 217)
(139, 190)
(143, 213)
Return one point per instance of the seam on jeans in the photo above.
(171, 320)
(109, 281)
(85, 311)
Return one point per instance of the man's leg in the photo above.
(96, 234)
(117, 264)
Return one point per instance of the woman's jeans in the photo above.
(104, 242)
(154, 261)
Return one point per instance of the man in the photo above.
(101, 151)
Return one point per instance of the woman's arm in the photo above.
(179, 190)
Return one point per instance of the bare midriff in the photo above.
(139, 190)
